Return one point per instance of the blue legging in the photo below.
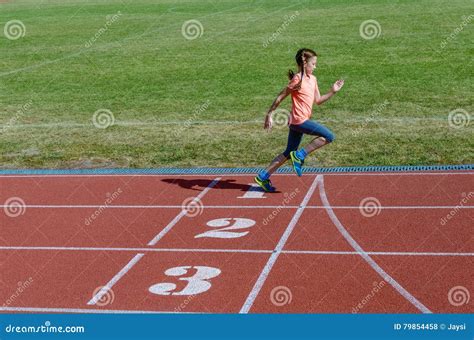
(309, 127)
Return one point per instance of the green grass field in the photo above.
(201, 102)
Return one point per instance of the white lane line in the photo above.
(105, 289)
(253, 251)
(93, 206)
(141, 250)
(378, 253)
(271, 261)
(84, 310)
(398, 207)
(182, 213)
(364, 255)
(461, 172)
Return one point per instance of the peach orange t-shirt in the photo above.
(302, 99)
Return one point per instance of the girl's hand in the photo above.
(268, 122)
(337, 85)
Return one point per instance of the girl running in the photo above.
(304, 91)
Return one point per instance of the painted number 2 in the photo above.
(227, 227)
(197, 283)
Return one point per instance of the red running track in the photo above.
(332, 243)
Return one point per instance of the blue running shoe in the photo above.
(297, 163)
(266, 185)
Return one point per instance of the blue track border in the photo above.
(205, 171)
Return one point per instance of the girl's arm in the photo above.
(318, 99)
(281, 96)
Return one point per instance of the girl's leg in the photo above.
(325, 136)
(294, 140)
(313, 145)
(277, 162)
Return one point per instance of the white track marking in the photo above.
(94, 206)
(377, 253)
(141, 250)
(253, 251)
(394, 207)
(181, 214)
(83, 310)
(454, 173)
(227, 228)
(197, 283)
(271, 261)
(364, 254)
(105, 289)
(137, 257)
(254, 191)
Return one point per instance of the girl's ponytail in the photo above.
(301, 56)
(291, 74)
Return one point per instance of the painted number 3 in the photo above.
(197, 283)
(226, 228)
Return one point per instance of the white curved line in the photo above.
(363, 253)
